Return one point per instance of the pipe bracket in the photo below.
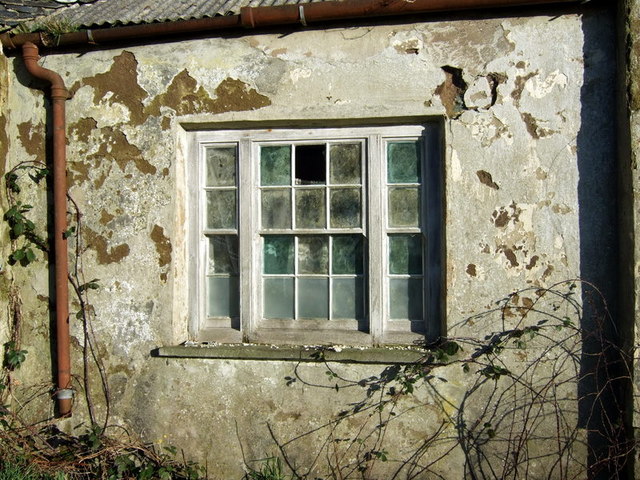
(64, 394)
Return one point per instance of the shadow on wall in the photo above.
(602, 406)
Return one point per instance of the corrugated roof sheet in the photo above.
(124, 12)
(14, 12)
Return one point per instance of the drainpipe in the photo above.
(267, 16)
(59, 94)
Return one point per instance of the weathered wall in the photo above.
(518, 141)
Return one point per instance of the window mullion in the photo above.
(248, 211)
(376, 223)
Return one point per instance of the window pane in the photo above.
(275, 165)
(223, 254)
(310, 208)
(404, 207)
(278, 298)
(313, 254)
(403, 162)
(347, 255)
(346, 208)
(278, 254)
(348, 298)
(313, 298)
(405, 254)
(223, 297)
(221, 167)
(405, 298)
(345, 163)
(276, 208)
(311, 165)
(221, 209)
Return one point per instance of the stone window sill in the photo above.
(372, 355)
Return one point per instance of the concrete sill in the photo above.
(375, 355)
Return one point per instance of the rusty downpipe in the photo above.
(59, 95)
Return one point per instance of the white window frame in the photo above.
(250, 327)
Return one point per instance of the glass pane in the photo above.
(347, 258)
(313, 298)
(404, 207)
(223, 297)
(275, 165)
(221, 209)
(405, 298)
(276, 208)
(278, 254)
(221, 167)
(278, 298)
(311, 165)
(403, 162)
(405, 254)
(310, 208)
(345, 208)
(345, 163)
(348, 298)
(223, 254)
(313, 254)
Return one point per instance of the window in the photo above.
(316, 235)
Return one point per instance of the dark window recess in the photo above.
(310, 164)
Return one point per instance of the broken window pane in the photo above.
(310, 164)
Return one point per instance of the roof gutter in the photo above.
(268, 16)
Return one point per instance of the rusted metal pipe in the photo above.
(268, 16)
(59, 95)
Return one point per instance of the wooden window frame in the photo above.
(380, 330)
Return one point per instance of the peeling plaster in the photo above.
(486, 179)
(163, 247)
(184, 96)
(32, 139)
(104, 253)
(118, 85)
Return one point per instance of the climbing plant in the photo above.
(520, 406)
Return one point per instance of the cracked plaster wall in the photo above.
(509, 91)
